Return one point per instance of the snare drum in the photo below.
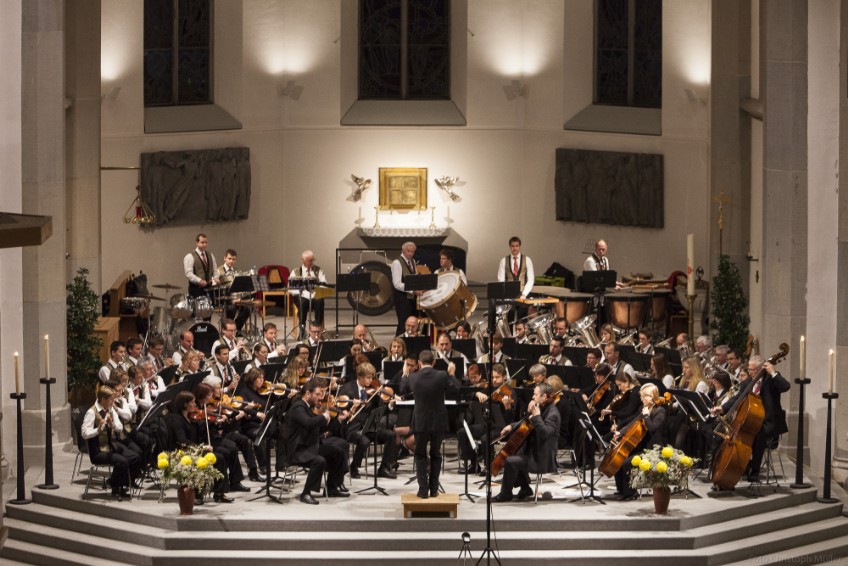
(203, 307)
(444, 303)
(627, 310)
(182, 306)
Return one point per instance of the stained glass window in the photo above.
(628, 53)
(404, 49)
(177, 52)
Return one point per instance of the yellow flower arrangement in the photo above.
(661, 467)
(189, 467)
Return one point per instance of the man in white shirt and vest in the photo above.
(517, 267)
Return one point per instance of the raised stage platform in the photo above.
(747, 526)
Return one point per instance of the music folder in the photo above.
(692, 403)
(597, 281)
(420, 282)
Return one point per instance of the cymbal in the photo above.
(166, 286)
(152, 297)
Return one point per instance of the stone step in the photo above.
(21, 552)
(778, 541)
(833, 552)
(676, 521)
(61, 528)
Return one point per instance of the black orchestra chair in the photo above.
(104, 470)
(768, 469)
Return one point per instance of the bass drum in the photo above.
(379, 298)
(205, 334)
(444, 303)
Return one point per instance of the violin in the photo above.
(502, 392)
(599, 393)
(207, 414)
(278, 389)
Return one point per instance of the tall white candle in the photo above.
(803, 351)
(17, 376)
(690, 264)
(830, 369)
(46, 356)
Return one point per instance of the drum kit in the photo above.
(186, 313)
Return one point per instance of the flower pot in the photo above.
(185, 495)
(662, 496)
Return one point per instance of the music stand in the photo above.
(240, 365)
(576, 377)
(467, 346)
(263, 436)
(441, 364)
(353, 283)
(167, 373)
(585, 422)
(473, 446)
(416, 344)
(693, 405)
(597, 282)
(243, 284)
(420, 282)
(391, 370)
(371, 423)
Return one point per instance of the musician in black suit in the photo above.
(183, 432)
(768, 387)
(538, 451)
(304, 431)
(429, 420)
(360, 391)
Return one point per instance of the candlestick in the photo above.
(376, 217)
(803, 351)
(46, 355)
(17, 376)
(830, 368)
(432, 217)
(690, 264)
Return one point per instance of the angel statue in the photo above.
(361, 184)
(446, 184)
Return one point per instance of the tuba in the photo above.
(584, 332)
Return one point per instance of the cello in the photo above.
(519, 436)
(732, 457)
(629, 439)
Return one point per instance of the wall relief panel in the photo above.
(608, 187)
(197, 186)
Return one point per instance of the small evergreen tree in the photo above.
(730, 307)
(83, 344)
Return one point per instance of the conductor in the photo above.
(429, 420)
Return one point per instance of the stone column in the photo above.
(43, 138)
(784, 255)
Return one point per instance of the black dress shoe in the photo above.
(343, 488)
(525, 492)
(630, 496)
(385, 472)
(338, 493)
(308, 499)
(354, 473)
(423, 494)
(222, 498)
(254, 476)
(470, 469)
(240, 487)
(502, 498)
(434, 492)
(120, 492)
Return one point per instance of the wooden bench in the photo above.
(443, 506)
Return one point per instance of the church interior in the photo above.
(676, 131)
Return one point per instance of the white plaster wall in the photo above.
(302, 158)
(822, 185)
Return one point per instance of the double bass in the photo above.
(732, 457)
